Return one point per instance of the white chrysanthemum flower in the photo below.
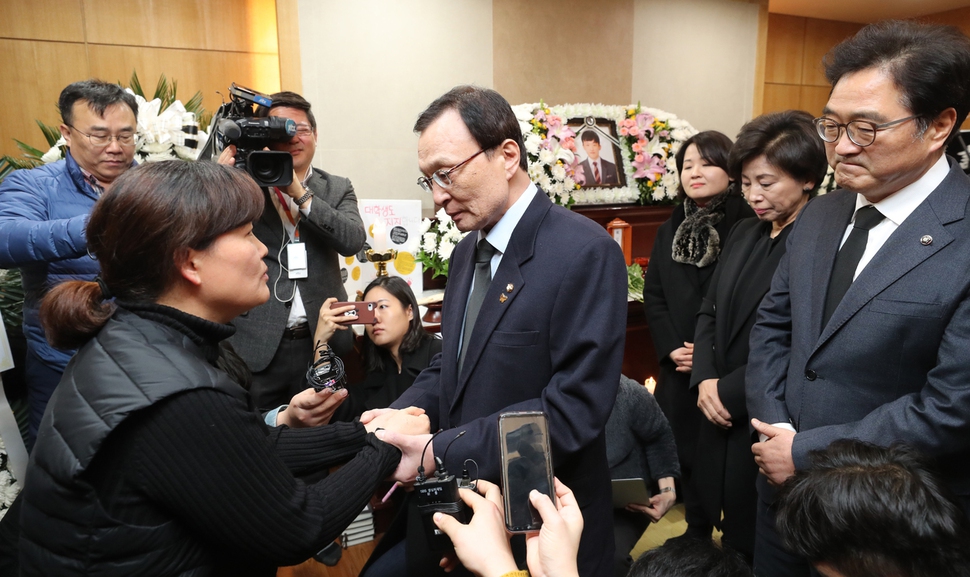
(442, 216)
(546, 156)
(429, 241)
(524, 112)
(558, 172)
(545, 182)
(454, 235)
(425, 225)
(532, 142)
(445, 248)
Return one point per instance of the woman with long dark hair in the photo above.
(681, 264)
(151, 458)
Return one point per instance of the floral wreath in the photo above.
(649, 139)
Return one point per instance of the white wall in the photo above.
(696, 58)
(371, 66)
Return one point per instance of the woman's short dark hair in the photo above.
(375, 356)
(712, 146)
(788, 140)
(928, 63)
(486, 113)
(139, 232)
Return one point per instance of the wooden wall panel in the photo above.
(225, 25)
(758, 95)
(780, 97)
(288, 31)
(593, 45)
(35, 72)
(58, 20)
(203, 44)
(820, 37)
(208, 71)
(959, 18)
(785, 48)
(813, 99)
(794, 77)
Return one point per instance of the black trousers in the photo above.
(771, 558)
(628, 527)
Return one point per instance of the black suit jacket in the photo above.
(549, 337)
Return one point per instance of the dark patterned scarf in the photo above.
(696, 241)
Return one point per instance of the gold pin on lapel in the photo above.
(502, 298)
(509, 287)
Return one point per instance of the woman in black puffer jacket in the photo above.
(151, 459)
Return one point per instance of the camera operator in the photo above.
(316, 215)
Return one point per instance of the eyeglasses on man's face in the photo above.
(303, 130)
(102, 140)
(860, 132)
(443, 176)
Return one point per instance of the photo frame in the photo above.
(598, 137)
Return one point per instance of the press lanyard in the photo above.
(286, 208)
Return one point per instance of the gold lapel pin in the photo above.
(509, 287)
(502, 298)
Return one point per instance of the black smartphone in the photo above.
(526, 465)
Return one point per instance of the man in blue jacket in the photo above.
(43, 213)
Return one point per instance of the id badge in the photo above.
(296, 260)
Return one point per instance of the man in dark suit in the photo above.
(597, 171)
(884, 357)
(317, 215)
(534, 316)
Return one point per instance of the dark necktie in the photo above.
(596, 171)
(483, 276)
(843, 271)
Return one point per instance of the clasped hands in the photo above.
(410, 431)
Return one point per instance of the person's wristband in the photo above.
(304, 198)
(666, 489)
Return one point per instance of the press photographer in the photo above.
(306, 223)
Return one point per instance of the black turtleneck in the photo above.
(209, 462)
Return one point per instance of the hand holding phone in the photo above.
(526, 466)
(363, 312)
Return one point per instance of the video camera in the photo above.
(236, 123)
